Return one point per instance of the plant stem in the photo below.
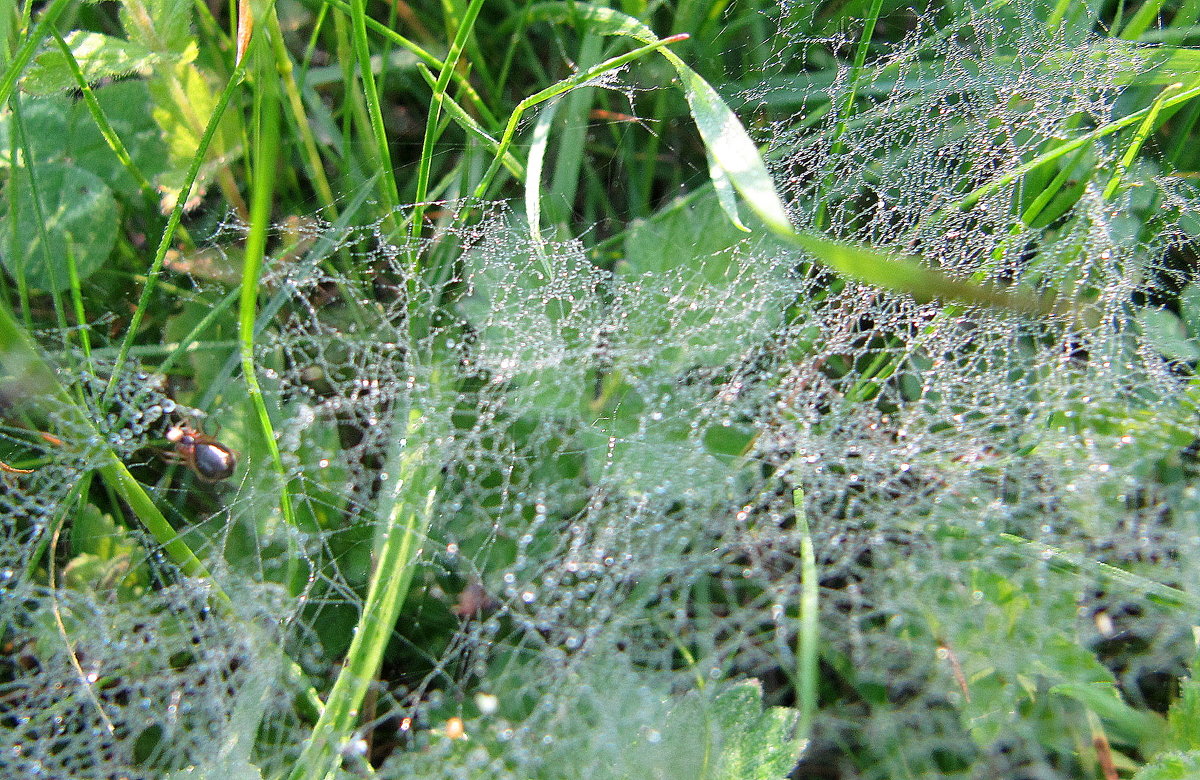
(405, 508)
(806, 649)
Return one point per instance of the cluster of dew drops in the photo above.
(137, 409)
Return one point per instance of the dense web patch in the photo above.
(615, 533)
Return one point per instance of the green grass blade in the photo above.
(855, 78)
(164, 243)
(300, 122)
(1139, 138)
(533, 185)
(405, 509)
(806, 651)
(433, 63)
(266, 158)
(362, 53)
(424, 167)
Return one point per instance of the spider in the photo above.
(210, 459)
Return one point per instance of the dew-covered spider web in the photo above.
(1002, 507)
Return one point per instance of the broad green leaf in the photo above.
(80, 216)
(59, 130)
(755, 744)
(47, 132)
(681, 269)
(99, 57)
(125, 106)
(162, 26)
(1183, 718)
(183, 104)
(1168, 334)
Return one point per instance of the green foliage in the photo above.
(514, 488)
(72, 201)
(690, 252)
(1174, 766)
(98, 56)
(756, 743)
(69, 215)
(1177, 336)
(627, 724)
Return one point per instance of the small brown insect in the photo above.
(210, 459)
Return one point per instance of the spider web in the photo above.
(615, 534)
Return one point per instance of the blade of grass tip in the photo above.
(164, 243)
(806, 650)
(465, 25)
(245, 29)
(733, 151)
(533, 183)
(404, 512)
(533, 189)
(1139, 138)
(262, 191)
